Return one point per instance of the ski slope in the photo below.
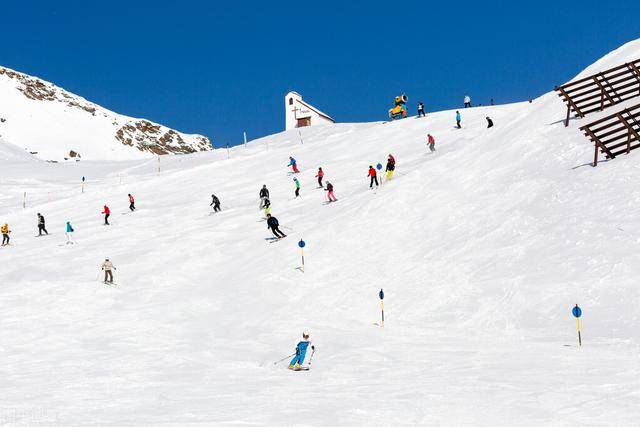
(482, 249)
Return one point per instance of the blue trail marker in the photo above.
(577, 313)
(381, 295)
(302, 244)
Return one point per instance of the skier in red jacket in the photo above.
(373, 175)
(431, 141)
(320, 176)
(106, 213)
(132, 203)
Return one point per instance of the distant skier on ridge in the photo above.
(301, 352)
(467, 101)
(421, 110)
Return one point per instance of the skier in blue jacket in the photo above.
(293, 164)
(458, 119)
(301, 352)
(69, 232)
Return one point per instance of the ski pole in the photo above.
(311, 358)
(285, 358)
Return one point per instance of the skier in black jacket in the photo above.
(215, 202)
(272, 223)
(41, 227)
(264, 195)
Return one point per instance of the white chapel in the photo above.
(300, 114)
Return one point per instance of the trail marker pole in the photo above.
(83, 184)
(379, 168)
(158, 164)
(228, 153)
(300, 135)
(302, 244)
(245, 139)
(381, 295)
(577, 313)
(24, 200)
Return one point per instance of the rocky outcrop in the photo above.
(157, 139)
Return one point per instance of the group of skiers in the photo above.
(459, 121)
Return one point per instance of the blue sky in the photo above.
(219, 69)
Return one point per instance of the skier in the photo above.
(421, 110)
(301, 352)
(320, 176)
(106, 211)
(373, 175)
(267, 205)
(264, 195)
(489, 122)
(41, 227)
(297, 186)
(132, 203)
(458, 119)
(69, 231)
(5, 234)
(431, 141)
(107, 267)
(272, 223)
(215, 202)
(467, 101)
(293, 164)
(330, 195)
(391, 166)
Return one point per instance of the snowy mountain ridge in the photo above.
(52, 122)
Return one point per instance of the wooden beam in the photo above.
(604, 92)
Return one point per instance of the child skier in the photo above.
(330, 195)
(431, 142)
(293, 164)
(421, 110)
(107, 267)
(373, 175)
(301, 352)
(458, 119)
(68, 233)
(391, 166)
(297, 186)
(215, 202)
(272, 223)
(132, 203)
(320, 176)
(5, 234)
(106, 211)
(41, 226)
(264, 195)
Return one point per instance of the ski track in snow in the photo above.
(482, 248)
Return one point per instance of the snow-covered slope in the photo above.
(482, 248)
(47, 120)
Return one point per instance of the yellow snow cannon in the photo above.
(400, 109)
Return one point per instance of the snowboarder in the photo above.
(421, 110)
(107, 267)
(41, 226)
(330, 196)
(264, 195)
(132, 203)
(293, 164)
(320, 175)
(69, 231)
(373, 175)
(106, 211)
(458, 119)
(489, 122)
(467, 101)
(272, 223)
(431, 141)
(391, 166)
(297, 186)
(215, 202)
(301, 352)
(5, 234)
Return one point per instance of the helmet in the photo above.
(305, 334)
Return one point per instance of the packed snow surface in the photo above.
(482, 249)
